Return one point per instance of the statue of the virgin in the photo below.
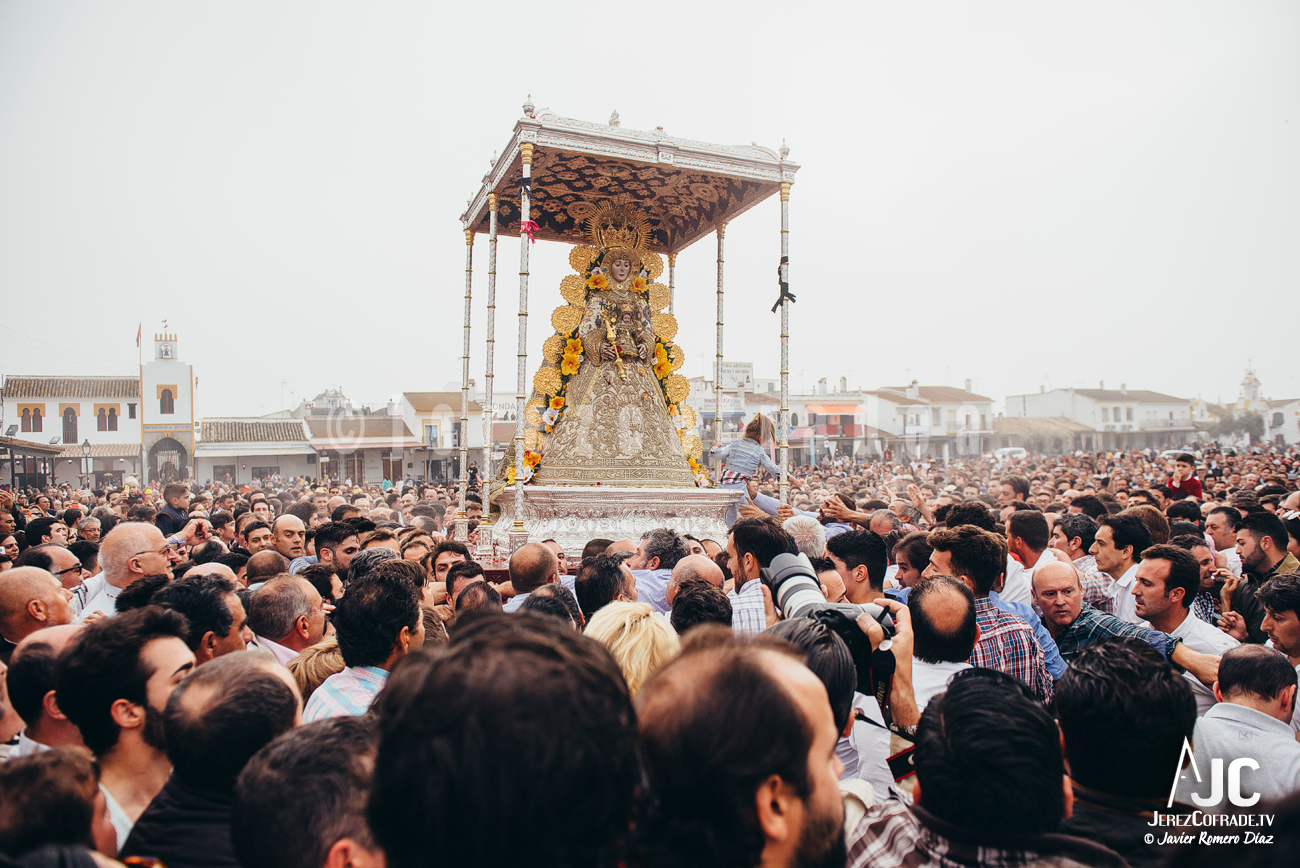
(607, 403)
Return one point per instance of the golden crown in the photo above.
(619, 224)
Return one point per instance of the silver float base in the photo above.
(574, 514)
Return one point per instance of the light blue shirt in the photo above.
(517, 600)
(652, 588)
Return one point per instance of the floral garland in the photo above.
(571, 362)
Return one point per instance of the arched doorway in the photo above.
(168, 460)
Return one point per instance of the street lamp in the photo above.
(85, 463)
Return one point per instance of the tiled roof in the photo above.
(940, 394)
(251, 431)
(1131, 396)
(429, 402)
(1026, 425)
(348, 427)
(71, 387)
(103, 450)
(27, 447)
(896, 397)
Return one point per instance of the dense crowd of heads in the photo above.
(905, 661)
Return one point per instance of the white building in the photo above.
(95, 422)
(167, 411)
(435, 419)
(240, 450)
(1124, 418)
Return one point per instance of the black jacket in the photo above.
(1122, 825)
(184, 827)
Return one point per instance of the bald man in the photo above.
(130, 551)
(945, 633)
(290, 536)
(30, 600)
(265, 565)
(693, 567)
(31, 684)
(531, 566)
(623, 545)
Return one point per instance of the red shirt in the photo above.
(1190, 487)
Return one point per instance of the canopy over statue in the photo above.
(604, 413)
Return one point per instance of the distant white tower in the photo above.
(167, 412)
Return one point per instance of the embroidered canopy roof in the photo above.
(686, 188)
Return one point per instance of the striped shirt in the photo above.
(1098, 588)
(1007, 644)
(895, 835)
(747, 612)
(345, 694)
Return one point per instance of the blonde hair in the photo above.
(640, 640)
(315, 664)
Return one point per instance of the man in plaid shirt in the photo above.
(1006, 642)
(989, 788)
(1075, 625)
(1074, 534)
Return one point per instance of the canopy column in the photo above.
(672, 281)
(485, 477)
(462, 521)
(785, 343)
(717, 361)
(518, 535)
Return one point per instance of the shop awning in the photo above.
(836, 409)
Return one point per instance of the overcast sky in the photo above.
(1024, 194)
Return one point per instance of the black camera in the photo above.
(797, 593)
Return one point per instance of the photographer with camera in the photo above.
(751, 546)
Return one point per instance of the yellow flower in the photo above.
(557, 402)
(569, 364)
(662, 368)
(638, 284)
(573, 346)
(597, 281)
(661, 353)
(532, 459)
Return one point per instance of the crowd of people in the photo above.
(1057, 660)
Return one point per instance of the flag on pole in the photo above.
(139, 333)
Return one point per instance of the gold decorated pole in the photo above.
(672, 282)
(491, 351)
(717, 361)
(518, 535)
(462, 520)
(785, 340)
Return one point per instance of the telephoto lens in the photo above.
(797, 593)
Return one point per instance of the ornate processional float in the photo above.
(603, 444)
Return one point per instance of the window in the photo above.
(69, 425)
(1277, 421)
(1105, 414)
(101, 420)
(167, 403)
(431, 434)
(1128, 414)
(264, 472)
(130, 411)
(936, 417)
(1114, 414)
(112, 418)
(794, 420)
(27, 421)
(983, 422)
